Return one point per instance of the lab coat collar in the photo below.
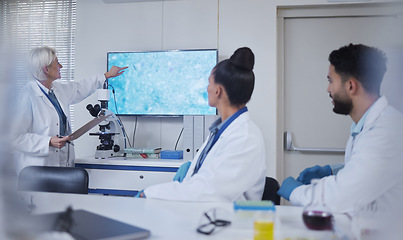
(37, 90)
(370, 115)
(41, 86)
(37, 86)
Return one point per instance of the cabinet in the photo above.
(126, 176)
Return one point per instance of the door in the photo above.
(306, 38)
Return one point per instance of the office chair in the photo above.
(270, 190)
(53, 179)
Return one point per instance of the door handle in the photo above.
(289, 146)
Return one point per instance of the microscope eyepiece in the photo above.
(92, 110)
(97, 108)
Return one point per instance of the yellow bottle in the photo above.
(264, 230)
(259, 215)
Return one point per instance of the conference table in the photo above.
(179, 220)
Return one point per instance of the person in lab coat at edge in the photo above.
(372, 174)
(43, 112)
(231, 162)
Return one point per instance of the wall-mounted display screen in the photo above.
(165, 83)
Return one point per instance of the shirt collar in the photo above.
(356, 128)
(216, 126)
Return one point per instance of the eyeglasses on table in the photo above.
(213, 219)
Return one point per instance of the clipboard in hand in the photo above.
(85, 128)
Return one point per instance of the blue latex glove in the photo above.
(314, 172)
(289, 184)
(140, 192)
(181, 173)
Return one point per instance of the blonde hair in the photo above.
(39, 58)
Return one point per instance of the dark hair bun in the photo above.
(243, 58)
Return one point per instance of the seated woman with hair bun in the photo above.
(230, 165)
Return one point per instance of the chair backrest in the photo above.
(53, 179)
(270, 190)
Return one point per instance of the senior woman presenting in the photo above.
(42, 116)
(231, 164)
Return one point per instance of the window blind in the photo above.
(26, 24)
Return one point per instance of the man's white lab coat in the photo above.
(373, 171)
(234, 169)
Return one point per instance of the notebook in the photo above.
(84, 225)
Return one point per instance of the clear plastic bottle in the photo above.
(316, 215)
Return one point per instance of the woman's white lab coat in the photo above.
(373, 171)
(37, 121)
(234, 169)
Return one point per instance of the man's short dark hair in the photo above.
(366, 64)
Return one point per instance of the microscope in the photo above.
(111, 134)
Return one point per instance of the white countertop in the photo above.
(178, 220)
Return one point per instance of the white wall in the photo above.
(138, 26)
(183, 24)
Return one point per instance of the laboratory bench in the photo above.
(126, 176)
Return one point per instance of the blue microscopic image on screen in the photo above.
(162, 82)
